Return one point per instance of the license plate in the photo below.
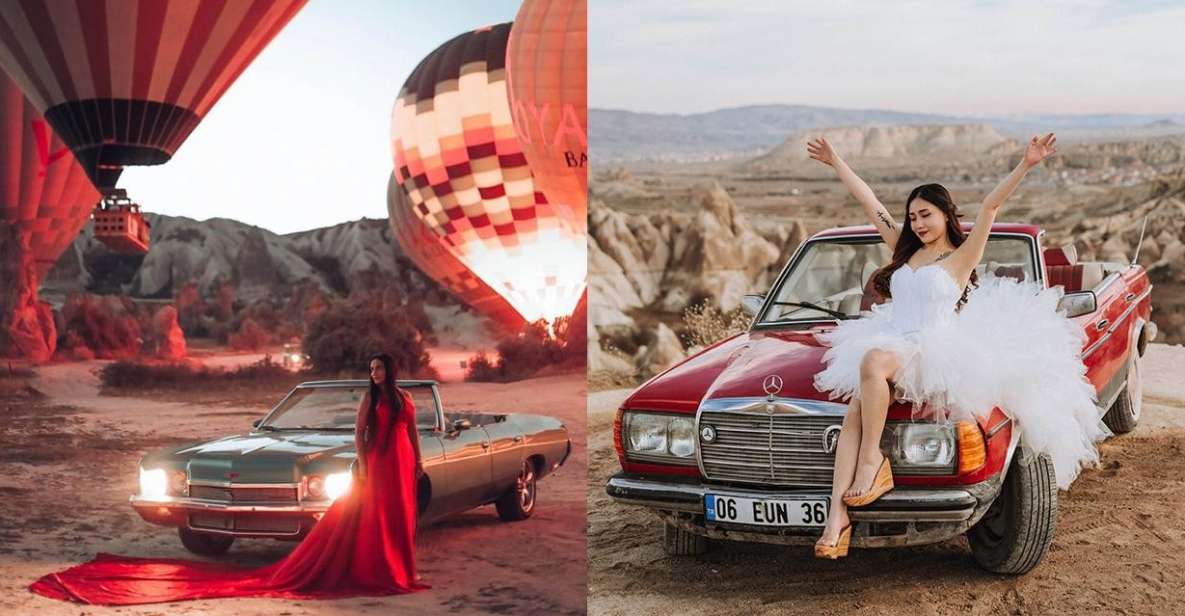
(767, 511)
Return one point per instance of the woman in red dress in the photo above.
(364, 545)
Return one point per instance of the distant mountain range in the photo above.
(623, 136)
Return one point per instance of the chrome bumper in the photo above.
(903, 516)
(197, 504)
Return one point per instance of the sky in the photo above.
(959, 57)
(302, 139)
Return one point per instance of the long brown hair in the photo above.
(909, 242)
(388, 391)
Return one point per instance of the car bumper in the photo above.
(238, 519)
(903, 516)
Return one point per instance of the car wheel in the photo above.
(206, 544)
(679, 542)
(1015, 533)
(519, 501)
(1124, 413)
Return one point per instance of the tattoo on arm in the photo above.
(885, 219)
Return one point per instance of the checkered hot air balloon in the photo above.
(45, 196)
(461, 166)
(546, 65)
(124, 82)
(424, 249)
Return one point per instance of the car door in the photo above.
(466, 468)
(506, 455)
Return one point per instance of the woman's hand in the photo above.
(1039, 149)
(820, 149)
(360, 473)
(419, 468)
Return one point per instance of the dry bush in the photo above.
(528, 352)
(135, 375)
(705, 324)
(349, 332)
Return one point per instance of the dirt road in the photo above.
(67, 467)
(1119, 546)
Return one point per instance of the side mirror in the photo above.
(461, 424)
(750, 304)
(255, 424)
(1078, 303)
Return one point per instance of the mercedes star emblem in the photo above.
(772, 385)
(831, 438)
(707, 434)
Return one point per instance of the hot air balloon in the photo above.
(424, 249)
(45, 199)
(461, 166)
(546, 65)
(124, 82)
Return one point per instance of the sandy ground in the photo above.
(67, 467)
(1119, 546)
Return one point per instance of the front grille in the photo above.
(244, 495)
(288, 525)
(771, 449)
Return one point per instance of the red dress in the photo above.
(364, 545)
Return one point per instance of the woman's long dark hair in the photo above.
(909, 242)
(388, 391)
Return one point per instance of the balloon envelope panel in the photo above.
(44, 193)
(460, 164)
(547, 68)
(124, 82)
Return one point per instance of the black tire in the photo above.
(678, 542)
(1015, 533)
(205, 544)
(519, 501)
(1124, 413)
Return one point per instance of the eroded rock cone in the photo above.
(171, 340)
(26, 326)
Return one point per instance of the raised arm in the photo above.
(967, 255)
(360, 434)
(820, 149)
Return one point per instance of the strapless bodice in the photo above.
(922, 297)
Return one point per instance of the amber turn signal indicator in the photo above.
(972, 452)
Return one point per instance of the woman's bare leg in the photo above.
(876, 369)
(846, 450)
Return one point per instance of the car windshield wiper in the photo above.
(835, 313)
(268, 428)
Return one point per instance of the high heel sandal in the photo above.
(883, 482)
(840, 549)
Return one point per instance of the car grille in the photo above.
(244, 495)
(286, 525)
(770, 449)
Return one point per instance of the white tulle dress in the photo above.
(1007, 347)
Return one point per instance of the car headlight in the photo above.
(154, 483)
(924, 446)
(178, 483)
(659, 437)
(331, 486)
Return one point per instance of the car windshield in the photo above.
(336, 408)
(828, 279)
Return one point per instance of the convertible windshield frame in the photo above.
(281, 406)
(760, 323)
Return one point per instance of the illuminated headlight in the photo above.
(154, 483)
(331, 486)
(924, 445)
(659, 436)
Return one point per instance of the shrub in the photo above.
(129, 374)
(350, 332)
(531, 350)
(706, 324)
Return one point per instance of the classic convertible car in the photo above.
(280, 478)
(735, 442)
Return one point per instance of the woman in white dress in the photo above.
(949, 344)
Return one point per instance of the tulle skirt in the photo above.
(1007, 347)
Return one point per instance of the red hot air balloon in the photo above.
(424, 249)
(124, 82)
(45, 199)
(546, 65)
(461, 166)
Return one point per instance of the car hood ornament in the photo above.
(772, 385)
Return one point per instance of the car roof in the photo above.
(999, 227)
(364, 382)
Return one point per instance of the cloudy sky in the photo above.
(301, 139)
(951, 56)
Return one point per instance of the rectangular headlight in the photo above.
(659, 437)
(154, 483)
(929, 448)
